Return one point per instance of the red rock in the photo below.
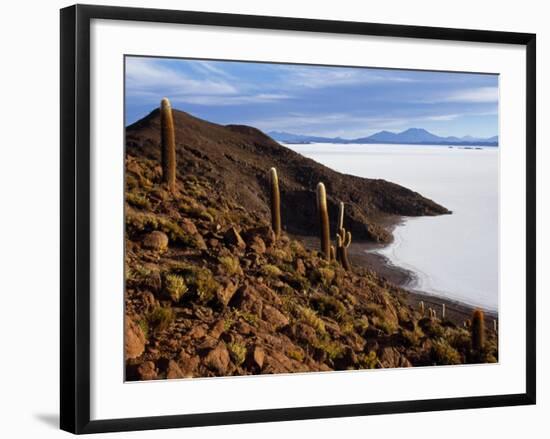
(134, 339)
(258, 355)
(188, 364)
(257, 245)
(146, 371)
(217, 359)
(225, 293)
(217, 329)
(233, 237)
(156, 241)
(273, 316)
(173, 371)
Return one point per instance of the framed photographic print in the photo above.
(267, 218)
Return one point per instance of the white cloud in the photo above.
(143, 74)
(471, 95)
(229, 99)
(150, 80)
(319, 77)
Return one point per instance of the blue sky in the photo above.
(315, 100)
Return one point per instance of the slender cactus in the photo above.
(343, 240)
(478, 331)
(495, 328)
(340, 216)
(275, 203)
(345, 244)
(421, 308)
(323, 220)
(168, 142)
(332, 253)
(443, 311)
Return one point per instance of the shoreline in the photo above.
(361, 254)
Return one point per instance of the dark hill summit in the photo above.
(236, 159)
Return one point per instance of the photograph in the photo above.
(295, 218)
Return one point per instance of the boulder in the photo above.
(217, 359)
(188, 364)
(256, 357)
(226, 292)
(134, 339)
(390, 357)
(147, 371)
(157, 241)
(257, 245)
(233, 237)
(173, 371)
(217, 329)
(273, 316)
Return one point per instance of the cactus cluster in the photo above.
(168, 144)
(343, 237)
(343, 240)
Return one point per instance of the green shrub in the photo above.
(332, 348)
(271, 271)
(138, 200)
(160, 318)
(323, 275)
(141, 222)
(174, 287)
(443, 353)
(368, 361)
(237, 351)
(309, 316)
(230, 265)
(203, 282)
(329, 306)
(296, 354)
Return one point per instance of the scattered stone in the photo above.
(188, 226)
(217, 329)
(188, 364)
(156, 240)
(146, 371)
(305, 333)
(217, 359)
(173, 371)
(225, 293)
(300, 267)
(197, 332)
(134, 339)
(233, 237)
(391, 357)
(274, 316)
(257, 245)
(149, 301)
(256, 357)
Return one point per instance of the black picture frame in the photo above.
(75, 217)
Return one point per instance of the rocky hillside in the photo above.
(235, 159)
(210, 292)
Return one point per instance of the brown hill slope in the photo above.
(236, 158)
(202, 302)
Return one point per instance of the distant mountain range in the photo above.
(415, 136)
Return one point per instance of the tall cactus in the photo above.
(323, 220)
(478, 331)
(275, 203)
(168, 142)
